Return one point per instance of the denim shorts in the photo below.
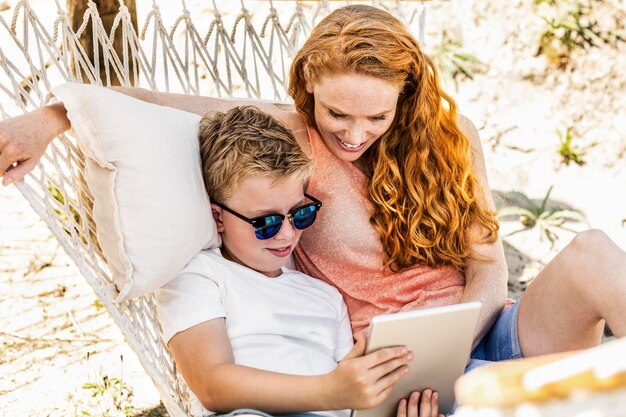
(262, 414)
(500, 343)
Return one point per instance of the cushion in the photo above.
(142, 165)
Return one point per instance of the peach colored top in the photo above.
(344, 250)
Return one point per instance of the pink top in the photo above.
(344, 250)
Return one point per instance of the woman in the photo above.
(407, 203)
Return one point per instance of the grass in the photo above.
(112, 395)
(453, 61)
(56, 193)
(569, 26)
(98, 304)
(158, 411)
(568, 152)
(547, 220)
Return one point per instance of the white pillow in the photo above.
(151, 209)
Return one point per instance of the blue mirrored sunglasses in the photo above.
(268, 225)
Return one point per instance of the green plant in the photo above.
(158, 411)
(449, 56)
(570, 25)
(568, 152)
(532, 215)
(98, 304)
(113, 396)
(58, 196)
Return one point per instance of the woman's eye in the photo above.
(336, 115)
(379, 118)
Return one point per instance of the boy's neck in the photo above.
(227, 254)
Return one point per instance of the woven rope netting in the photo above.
(222, 49)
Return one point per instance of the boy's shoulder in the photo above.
(203, 257)
(210, 262)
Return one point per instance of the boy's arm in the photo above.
(345, 341)
(204, 357)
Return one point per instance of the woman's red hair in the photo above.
(425, 196)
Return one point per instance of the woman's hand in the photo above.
(425, 404)
(23, 140)
(364, 381)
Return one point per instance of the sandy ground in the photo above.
(55, 337)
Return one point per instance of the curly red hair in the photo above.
(425, 196)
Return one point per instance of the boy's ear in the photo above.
(216, 211)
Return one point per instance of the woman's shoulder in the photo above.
(471, 132)
(289, 116)
(296, 123)
(283, 111)
(469, 129)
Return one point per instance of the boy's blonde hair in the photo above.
(244, 142)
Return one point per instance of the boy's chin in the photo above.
(271, 268)
(272, 273)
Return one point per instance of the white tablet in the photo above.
(441, 341)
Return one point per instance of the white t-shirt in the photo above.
(292, 324)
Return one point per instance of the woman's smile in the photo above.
(350, 147)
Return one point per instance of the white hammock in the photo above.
(248, 57)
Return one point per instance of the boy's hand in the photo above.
(425, 404)
(364, 381)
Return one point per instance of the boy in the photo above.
(277, 335)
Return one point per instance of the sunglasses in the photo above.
(268, 225)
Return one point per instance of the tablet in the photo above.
(441, 341)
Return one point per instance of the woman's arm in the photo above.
(24, 139)
(486, 281)
(202, 104)
(204, 357)
(284, 112)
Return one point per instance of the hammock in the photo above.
(236, 52)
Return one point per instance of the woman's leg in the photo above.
(565, 306)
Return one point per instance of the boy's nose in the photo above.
(287, 231)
